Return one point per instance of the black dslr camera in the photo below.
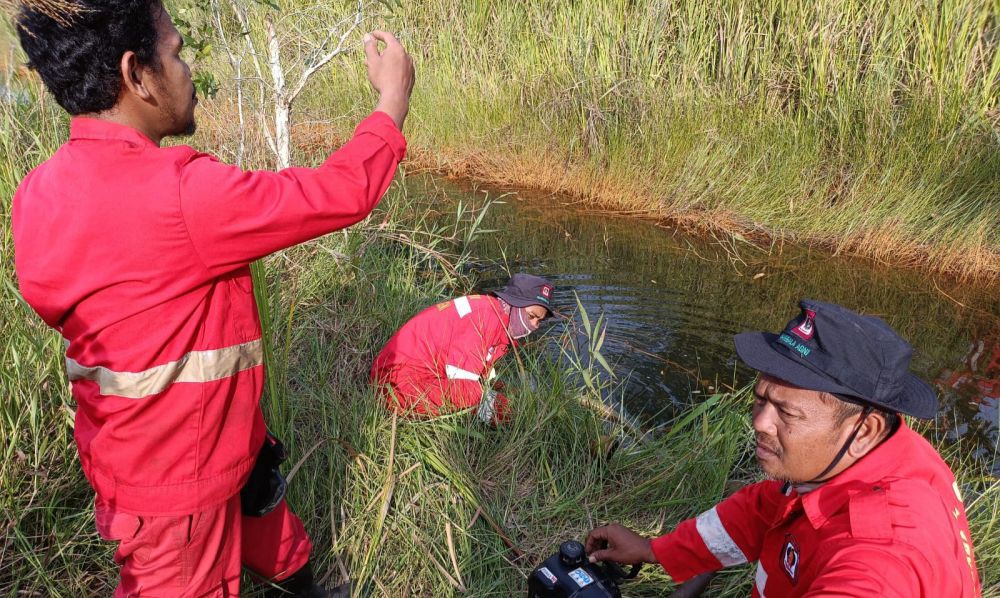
(570, 575)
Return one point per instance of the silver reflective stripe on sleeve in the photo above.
(463, 307)
(196, 366)
(456, 373)
(717, 539)
(761, 579)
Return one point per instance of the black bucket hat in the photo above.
(524, 290)
(830, 348)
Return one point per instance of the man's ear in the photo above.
(869, 436)
(135, 78)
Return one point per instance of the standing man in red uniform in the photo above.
(139, 256)
(443, 358)
(857, 503)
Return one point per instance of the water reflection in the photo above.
(673, 302)
(974, 388)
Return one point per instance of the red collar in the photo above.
(82, 127)
(884, 462)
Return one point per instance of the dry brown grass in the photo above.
(62, 11)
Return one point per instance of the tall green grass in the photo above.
(865, 126)
(430, 508)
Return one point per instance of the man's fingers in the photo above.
(599, 555)
(595, 538)
(371, 47)
(385, 37)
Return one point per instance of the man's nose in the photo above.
(763, 419)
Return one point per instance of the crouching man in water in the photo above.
(857, 503)
(443, 358)
(139, 256)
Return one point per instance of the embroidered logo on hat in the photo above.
(546, 291)
(807, 326)
(790, 558)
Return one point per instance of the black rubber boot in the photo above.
(301, 584)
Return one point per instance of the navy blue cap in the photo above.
(524, 290)
(830, 348)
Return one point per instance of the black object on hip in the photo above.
(266, 487)
(569, 574)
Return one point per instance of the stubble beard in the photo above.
(190, 123)
(183, 119)
(758, 439)
(190, 129)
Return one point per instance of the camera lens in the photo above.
(571, 553)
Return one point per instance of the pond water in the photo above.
(673, 301)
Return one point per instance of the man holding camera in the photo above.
(856, 504)
(139, 256)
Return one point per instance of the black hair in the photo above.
(77, 52)
(848, 407)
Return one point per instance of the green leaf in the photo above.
(693, 413)
(203, 52)
(205, 84)
(583, 314)
(600, 359)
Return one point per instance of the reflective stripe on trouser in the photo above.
(195, 366)
(718, 540)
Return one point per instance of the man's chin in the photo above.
(186, 131)
(770, 472)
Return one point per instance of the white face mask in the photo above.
(520, 326)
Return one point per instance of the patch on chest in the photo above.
(790, 558)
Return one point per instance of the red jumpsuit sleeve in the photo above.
(234, 216)
(465, 393)
(865, 571)
(466, 363)
(730, 533)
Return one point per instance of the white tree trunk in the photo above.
(282, 107)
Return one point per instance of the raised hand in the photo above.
(391, 73)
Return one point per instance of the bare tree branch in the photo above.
(311, 69)
(246, 31)
(292, 47)
(236, 62)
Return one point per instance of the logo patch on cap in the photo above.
(807, 326)
(546, 291)
(790, 558)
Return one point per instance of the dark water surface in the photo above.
(673, 301)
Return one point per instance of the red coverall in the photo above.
(891, 525)
(444, 355)
(138, 255)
